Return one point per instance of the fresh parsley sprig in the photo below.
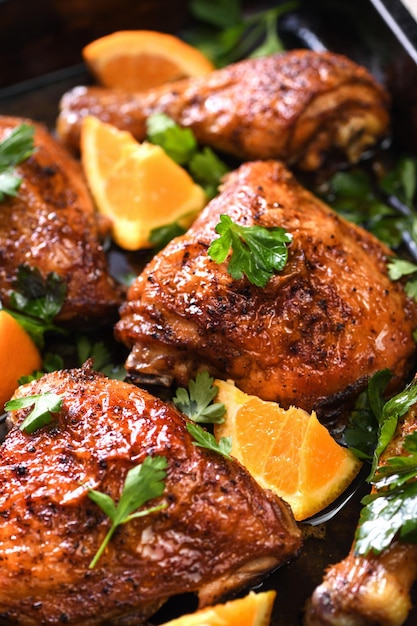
(257, 252)
(15, 148)
(196, 402)
(162, 235)
(384, 206)
(205, 167)
(204, 439)
(36, 301)
(392, 411)
(143, 482)
(101, 355)
(391, 510)
(398, 268)
(361, 433)
(44, 406)
(226, 34)
(386, 516)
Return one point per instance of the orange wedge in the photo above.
(287, 451)
(19, 356)
(136, 185)
(255, 609)
(141, 59)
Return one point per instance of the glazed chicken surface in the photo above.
(371, 590)
(219, 532)
(297, 106)
(51, 225)
(310, 338)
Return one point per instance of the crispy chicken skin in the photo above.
(219, 532)
(51, 225)
(372, 590)
(296, 106)
(311, 337)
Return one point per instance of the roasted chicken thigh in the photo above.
(51, 225)
(297, 106)
(218, 533)
(311, 337)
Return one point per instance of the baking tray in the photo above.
(380, 35)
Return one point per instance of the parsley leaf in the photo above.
(102, 359)
(352, 194)
(384, 206)
(398, 268)
(257, 252)
(361, 433)
(391, 510)
(162, 235)
(386, 516)
(43, 406)
(204, 439)
(220, 13)
(36, 302)
(392, 411)
(196, 402)
(227, 35)
(204, 166)
(399, 469)
(143, 482)
(179, 143)
(401, 181)
(14, 149)
(207, 170)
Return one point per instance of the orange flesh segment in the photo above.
(136, 185)
(287, 451)
(143, 59)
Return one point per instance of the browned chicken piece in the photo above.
(219, 532)
(310, 338)
(297, 106)
(51, 225)
(372, 590)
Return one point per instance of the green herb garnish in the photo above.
(15, 148)
(143, 482)
(391, 511)
(180, 144)
(392, 411)
(353, 196)
(204, 439)
(44, 405)
(196, 402)
(162, 235)
(374, 204)
(401, 181)
(102, 358)
(36, 302)
(257, 252)
(361, 433)
(227, 34)
(398, 268)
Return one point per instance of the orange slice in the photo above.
(255, 609)
(19, 356)
(287, 451)
(141, 59)
(137, 185)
